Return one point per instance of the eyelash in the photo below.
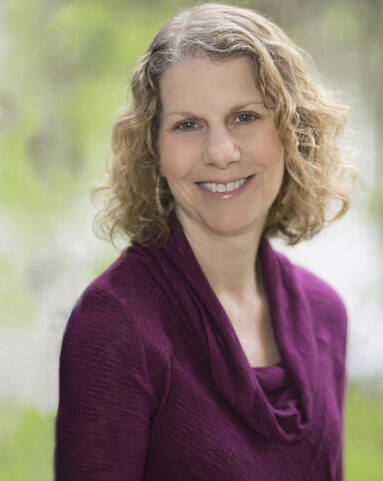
(250, 114)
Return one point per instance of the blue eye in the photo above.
(188, 125)
(246, 117)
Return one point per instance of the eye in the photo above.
(246, 117)
(187, 125)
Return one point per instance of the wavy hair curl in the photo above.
(313, 193)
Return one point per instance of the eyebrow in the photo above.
(236, 107)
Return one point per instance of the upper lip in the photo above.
(222, 181)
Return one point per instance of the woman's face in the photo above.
(215, 133)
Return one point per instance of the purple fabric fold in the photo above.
(209, 331)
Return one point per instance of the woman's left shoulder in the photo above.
(322, 296)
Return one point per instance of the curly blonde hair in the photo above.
(139, 203)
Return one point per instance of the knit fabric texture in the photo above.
(154, 384)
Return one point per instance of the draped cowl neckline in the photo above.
(275, 402)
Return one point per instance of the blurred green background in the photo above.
(64, 74)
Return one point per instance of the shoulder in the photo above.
(112, 346)
(325, 302)
(120, 309)
(127, 287)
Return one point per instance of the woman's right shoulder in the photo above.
(123, 301)
(115, 338)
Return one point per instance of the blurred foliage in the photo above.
(57, 104)
(363, 435)
(27, 439)
(376, 206)
(27, 443)
(13, 286)
(68, 84)
(342, 23)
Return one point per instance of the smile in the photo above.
(229, 187)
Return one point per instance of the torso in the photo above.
(254, 328)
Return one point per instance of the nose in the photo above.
(221, 149)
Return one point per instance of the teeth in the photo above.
(223, 187)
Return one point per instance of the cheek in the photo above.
(173, 167)
(273, 154)
(168, 157)
(275, 146)
(277, 164)
(174, 161)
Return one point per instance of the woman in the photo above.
(202, 353)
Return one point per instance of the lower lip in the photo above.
(227, 195)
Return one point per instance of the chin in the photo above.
(223, 223)
(230, 226)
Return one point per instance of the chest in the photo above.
(253, 326)
(199, 436)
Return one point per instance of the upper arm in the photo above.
(106, 399)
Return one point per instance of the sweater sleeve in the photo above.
(107, 394)
(341, 381)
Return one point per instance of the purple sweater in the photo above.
(155, 386)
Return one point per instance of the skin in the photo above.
(218, 140)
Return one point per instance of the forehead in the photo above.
(204, 82)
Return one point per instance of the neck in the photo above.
(229, 262)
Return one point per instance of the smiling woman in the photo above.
(202, 353)
(218, 150)
(308, 119)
